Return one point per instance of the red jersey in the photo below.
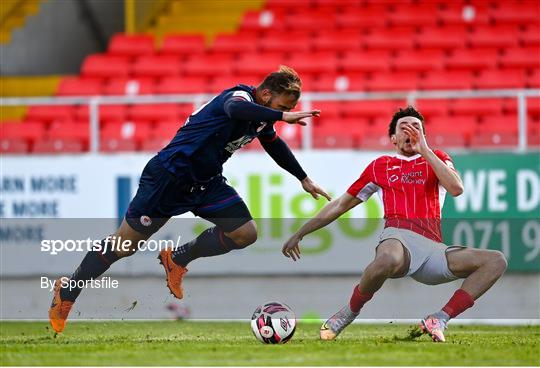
(409, 189)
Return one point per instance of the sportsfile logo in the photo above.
(111, 243)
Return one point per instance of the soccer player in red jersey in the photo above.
(412, 184)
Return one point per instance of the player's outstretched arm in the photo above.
(447, 175)
(330, 212)
(297, 116)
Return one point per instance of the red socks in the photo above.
(358, 300)
(458, 303)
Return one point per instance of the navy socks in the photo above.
(94, 264)
(211, 242)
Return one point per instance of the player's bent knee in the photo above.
(498, 260)
(387, 263)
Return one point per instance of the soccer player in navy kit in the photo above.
(186, 175)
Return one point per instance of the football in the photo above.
(273, 323)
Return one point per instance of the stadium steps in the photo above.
(208, 17)
(13, 14)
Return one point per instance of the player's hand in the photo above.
(291, 249)
(297, 116)
(418, 139)
(314, 189)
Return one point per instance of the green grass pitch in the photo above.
(232, 343)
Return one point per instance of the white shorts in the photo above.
(428, 263)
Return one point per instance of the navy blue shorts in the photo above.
(162, 195)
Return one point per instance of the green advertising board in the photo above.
(500, 208)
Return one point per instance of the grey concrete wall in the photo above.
(56, 40)
(515, 296)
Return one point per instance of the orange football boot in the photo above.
(175, 273)
(59, 310)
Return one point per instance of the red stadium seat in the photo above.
(376, 141)
(234, 43)
(515, 13)
(357, 18)
(477, 106)
(533, 80)
(339, 140)
(370, 109)
(432, 109)
(131, 45)
(28, 131)
(310, 20)
(58, 146)
(316, 63)
(494, 36)
(533, 135)
(330, 111)
(500, 78)
(418, 60)
(396, 81)
(473, 59)
(117, 145)
(506, 124)
(391, 38)
(341, 133)
(533, 104)
(413, 16)
(13, 146)
(130, 86)
(282, 42)
(105, 66)
(48, 114)
(531, 36)
(521, 57)
(208, 65)
(461, 125)
(71, 131)
(106, 113)
(171, 85)
(341, 82)
(126, 131)
(156, 66)
(493, 140)
(183, 45)
(365, 61)
(219, 84)
(155, 112)
(74, 86)
(441, 38)
(258, 63)
(290, 133)
(447, 140)
(259, 20)
(460, 13)
(462, 79)
(337, 41)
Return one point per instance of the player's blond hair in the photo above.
(285, 80)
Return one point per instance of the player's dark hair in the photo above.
(401, 113)
(285, 80)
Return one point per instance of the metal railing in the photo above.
(307, 101)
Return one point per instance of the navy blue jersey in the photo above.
(212, 134)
